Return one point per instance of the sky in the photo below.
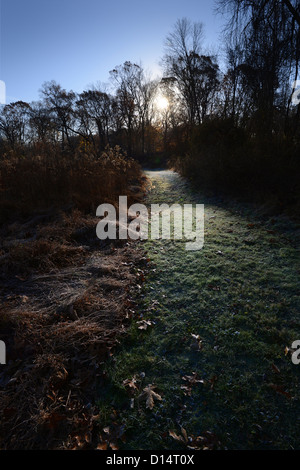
(77, 42)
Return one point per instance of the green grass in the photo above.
(243, 303)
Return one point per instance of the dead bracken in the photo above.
(65, 299)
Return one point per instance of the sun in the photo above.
(162, 103)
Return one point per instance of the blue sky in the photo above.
(77, 42)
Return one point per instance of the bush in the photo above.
(228, 159)
(30, 182)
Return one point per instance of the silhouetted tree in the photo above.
(41, 124)
(127, 78)
(196, 74)
(13, 123)
(134, 95)
(268, 34)
(60, 104)
(95, 115)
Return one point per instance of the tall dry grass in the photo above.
(46, 177)
(64, 294)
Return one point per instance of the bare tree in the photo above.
(196, 74)
(134, 94)
(95, 115)
(41, 124)
(13, 123)
(60, 104)
(127, 78)
(268, 33)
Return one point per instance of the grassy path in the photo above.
(221, 318)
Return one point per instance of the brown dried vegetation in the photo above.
(65, 299)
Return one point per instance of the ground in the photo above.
(212, 335)
(144, 345)
(65, 302)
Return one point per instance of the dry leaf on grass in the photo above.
(208, 441)
(102, 446)
(196, 344)
(131, 383)
(112, 434)
(182, 438)
(191, 380)
(149, 395)
(144, 324)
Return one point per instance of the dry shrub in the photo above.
(44, 247)
(30, 182)
(226, 159)
(64, 301)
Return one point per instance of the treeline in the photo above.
(71, 147)
(236, 130)
(245, 123)
(85, 122)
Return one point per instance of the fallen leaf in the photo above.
(149, 395)
(113, 446)
(191, 380)
(184, 438)
(144, 324)
(184, 433)
(112, 434)
(131, 383)
(196, 345)
(102, 446)
(208, 441)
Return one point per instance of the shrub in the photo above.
(30, 182)
(228, 159)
